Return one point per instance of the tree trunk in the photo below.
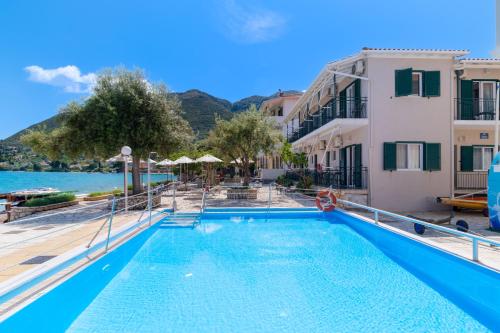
(136, 175)
(246, 170)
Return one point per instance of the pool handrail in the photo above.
(475, 239)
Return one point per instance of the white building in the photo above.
(277, 108)
(400, 127)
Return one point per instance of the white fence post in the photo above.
(270, 198)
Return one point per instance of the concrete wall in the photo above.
(408, 118)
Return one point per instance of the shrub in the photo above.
(98, 194)
(50, 199)
(305, 182)
(283, 180)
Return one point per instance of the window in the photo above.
(409, 156)
(416, 83)
(327, 159)
(482, 158)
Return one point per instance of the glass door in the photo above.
(350, 101)
(487, 108)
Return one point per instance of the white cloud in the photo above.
(68, 77)
(248, 24)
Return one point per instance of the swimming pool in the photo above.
(300, 271)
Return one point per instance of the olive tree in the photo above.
(123, 109)
(242, 137)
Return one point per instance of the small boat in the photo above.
(474, 203)
(16, 197)
(34, 192)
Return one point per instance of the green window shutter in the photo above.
(466, 103)
(357, 88)
(343, 104)
(357, 166)
(466, 158)
(432, 154)
(403, 82)
(389, 156)
(432, 83)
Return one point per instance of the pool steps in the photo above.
(181, 220)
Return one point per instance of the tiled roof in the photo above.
(411, 50)
(480, 59)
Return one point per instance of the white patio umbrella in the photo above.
(167, 163)
(238, 160)
(184, 160)
(117, 158)
(208, 159)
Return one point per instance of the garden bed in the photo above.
(242, 193)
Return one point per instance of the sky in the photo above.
(51, 51)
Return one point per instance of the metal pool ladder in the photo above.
(181, 220)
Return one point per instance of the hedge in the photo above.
(50, 199)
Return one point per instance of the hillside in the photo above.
(245, 103)
(201, 109)
(47, 124)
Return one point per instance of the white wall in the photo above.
(409, 118)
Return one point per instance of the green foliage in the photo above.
(50, 199)
(305, 182)
(300, 160)
(243, 137)
(289, 157)
(283, 180)
(124, 109)
(98, 194)
(201, 110)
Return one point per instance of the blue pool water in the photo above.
(252, 274)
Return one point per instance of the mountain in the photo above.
(47, 124)
(199, 109)
(245, 103)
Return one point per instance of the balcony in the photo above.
(339, 178)
(337, 108)
(473, 180)
(475, 108)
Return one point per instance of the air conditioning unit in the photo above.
(358, 68)
(337, 142)
(322, 145)
(330, 90)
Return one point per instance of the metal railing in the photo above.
(473, 180)
(475, 108)
(475, 239)
(109, 220)
(336, 108)
(337, 178)
(126, 226)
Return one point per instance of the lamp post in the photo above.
(149, 184)
(126, 151)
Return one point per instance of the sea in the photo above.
(78, 182)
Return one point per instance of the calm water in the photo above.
(245, 275)
(259, 276)
(80, 182)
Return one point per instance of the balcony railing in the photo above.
(336, 108)
(339, 178)
(473, 180)
(475, 108)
